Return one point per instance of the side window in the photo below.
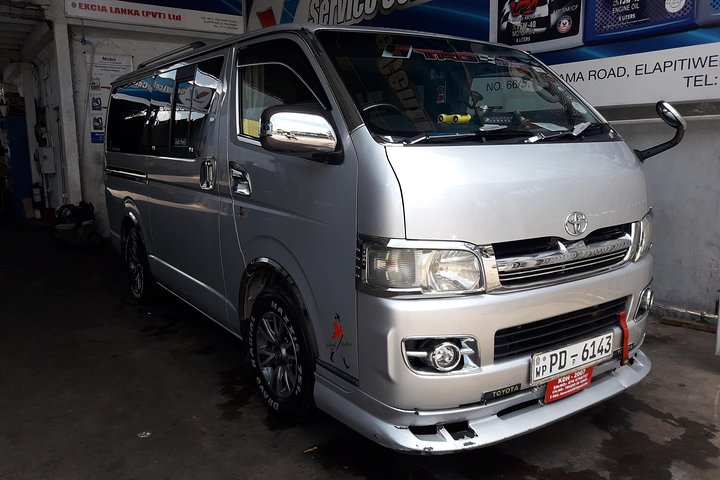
(161, 101)
(181, 116)
(274, 72)
(194, 91)
(130, 105)
(207, 83)
(269, 85)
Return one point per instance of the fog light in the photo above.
(445, 356)
(645, 303)
(441, 355)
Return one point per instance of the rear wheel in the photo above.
(281, 355)
(141, 280)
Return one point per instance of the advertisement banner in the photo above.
(266, 13)
(678, 74)
(217, 16)
(610, 20)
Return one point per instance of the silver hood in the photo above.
(494, 193)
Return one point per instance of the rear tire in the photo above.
(281, 356)
(141, 279)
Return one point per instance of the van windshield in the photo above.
(416, 88)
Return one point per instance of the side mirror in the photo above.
(299, 130)
(670, 116)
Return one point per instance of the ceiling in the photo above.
(18, 20)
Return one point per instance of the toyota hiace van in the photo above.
(432, 239)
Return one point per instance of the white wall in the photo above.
(684, 191)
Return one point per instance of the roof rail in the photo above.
(171, 53)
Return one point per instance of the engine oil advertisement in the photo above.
(537, 25)
(614, 52)
(608, 20)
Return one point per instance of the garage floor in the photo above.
(93, 386)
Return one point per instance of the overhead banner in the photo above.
(217, 16)
(266, 13)
(677, 74)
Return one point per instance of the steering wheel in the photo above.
(386, 106)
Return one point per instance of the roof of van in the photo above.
(187, 53)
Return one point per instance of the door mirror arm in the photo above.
(673, 118)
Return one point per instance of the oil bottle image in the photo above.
(611, 20)
(537, 25)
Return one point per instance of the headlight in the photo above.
(644, 234)
(420, 270)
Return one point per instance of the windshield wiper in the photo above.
(444, 137)
(575, 132)
(431, 137)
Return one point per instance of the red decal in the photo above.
(267, 18)
(523, 7)
(337, 331)
(568, 384)
(439, 55)
(626, 334)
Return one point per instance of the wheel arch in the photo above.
(131, 217)
(262, 273)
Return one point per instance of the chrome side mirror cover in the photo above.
(671, 117)
(299, 130)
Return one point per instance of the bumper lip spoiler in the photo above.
(374, 422)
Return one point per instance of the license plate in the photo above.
(548, 365)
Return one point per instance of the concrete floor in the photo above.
(84, 372)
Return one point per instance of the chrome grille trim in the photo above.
(568, 260)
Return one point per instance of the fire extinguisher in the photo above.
(38, 196)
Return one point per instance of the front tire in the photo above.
(281, 356)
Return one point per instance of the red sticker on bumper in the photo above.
(568, 384)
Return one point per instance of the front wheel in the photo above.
(281, 356)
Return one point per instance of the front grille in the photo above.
(539, 261)
(557, 331)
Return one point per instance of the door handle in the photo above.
(207, 173)
(240, 180)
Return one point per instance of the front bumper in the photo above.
(406, 410)
(486, 425)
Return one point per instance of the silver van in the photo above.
(432, 239)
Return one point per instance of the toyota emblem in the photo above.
(576, 223)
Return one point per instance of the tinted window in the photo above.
(181, 116)
(207, 83)
(194, 91)
(166, 112)
(126, 118)
(161, 102)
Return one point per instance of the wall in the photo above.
(683, 191)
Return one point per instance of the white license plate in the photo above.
(547, 365)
